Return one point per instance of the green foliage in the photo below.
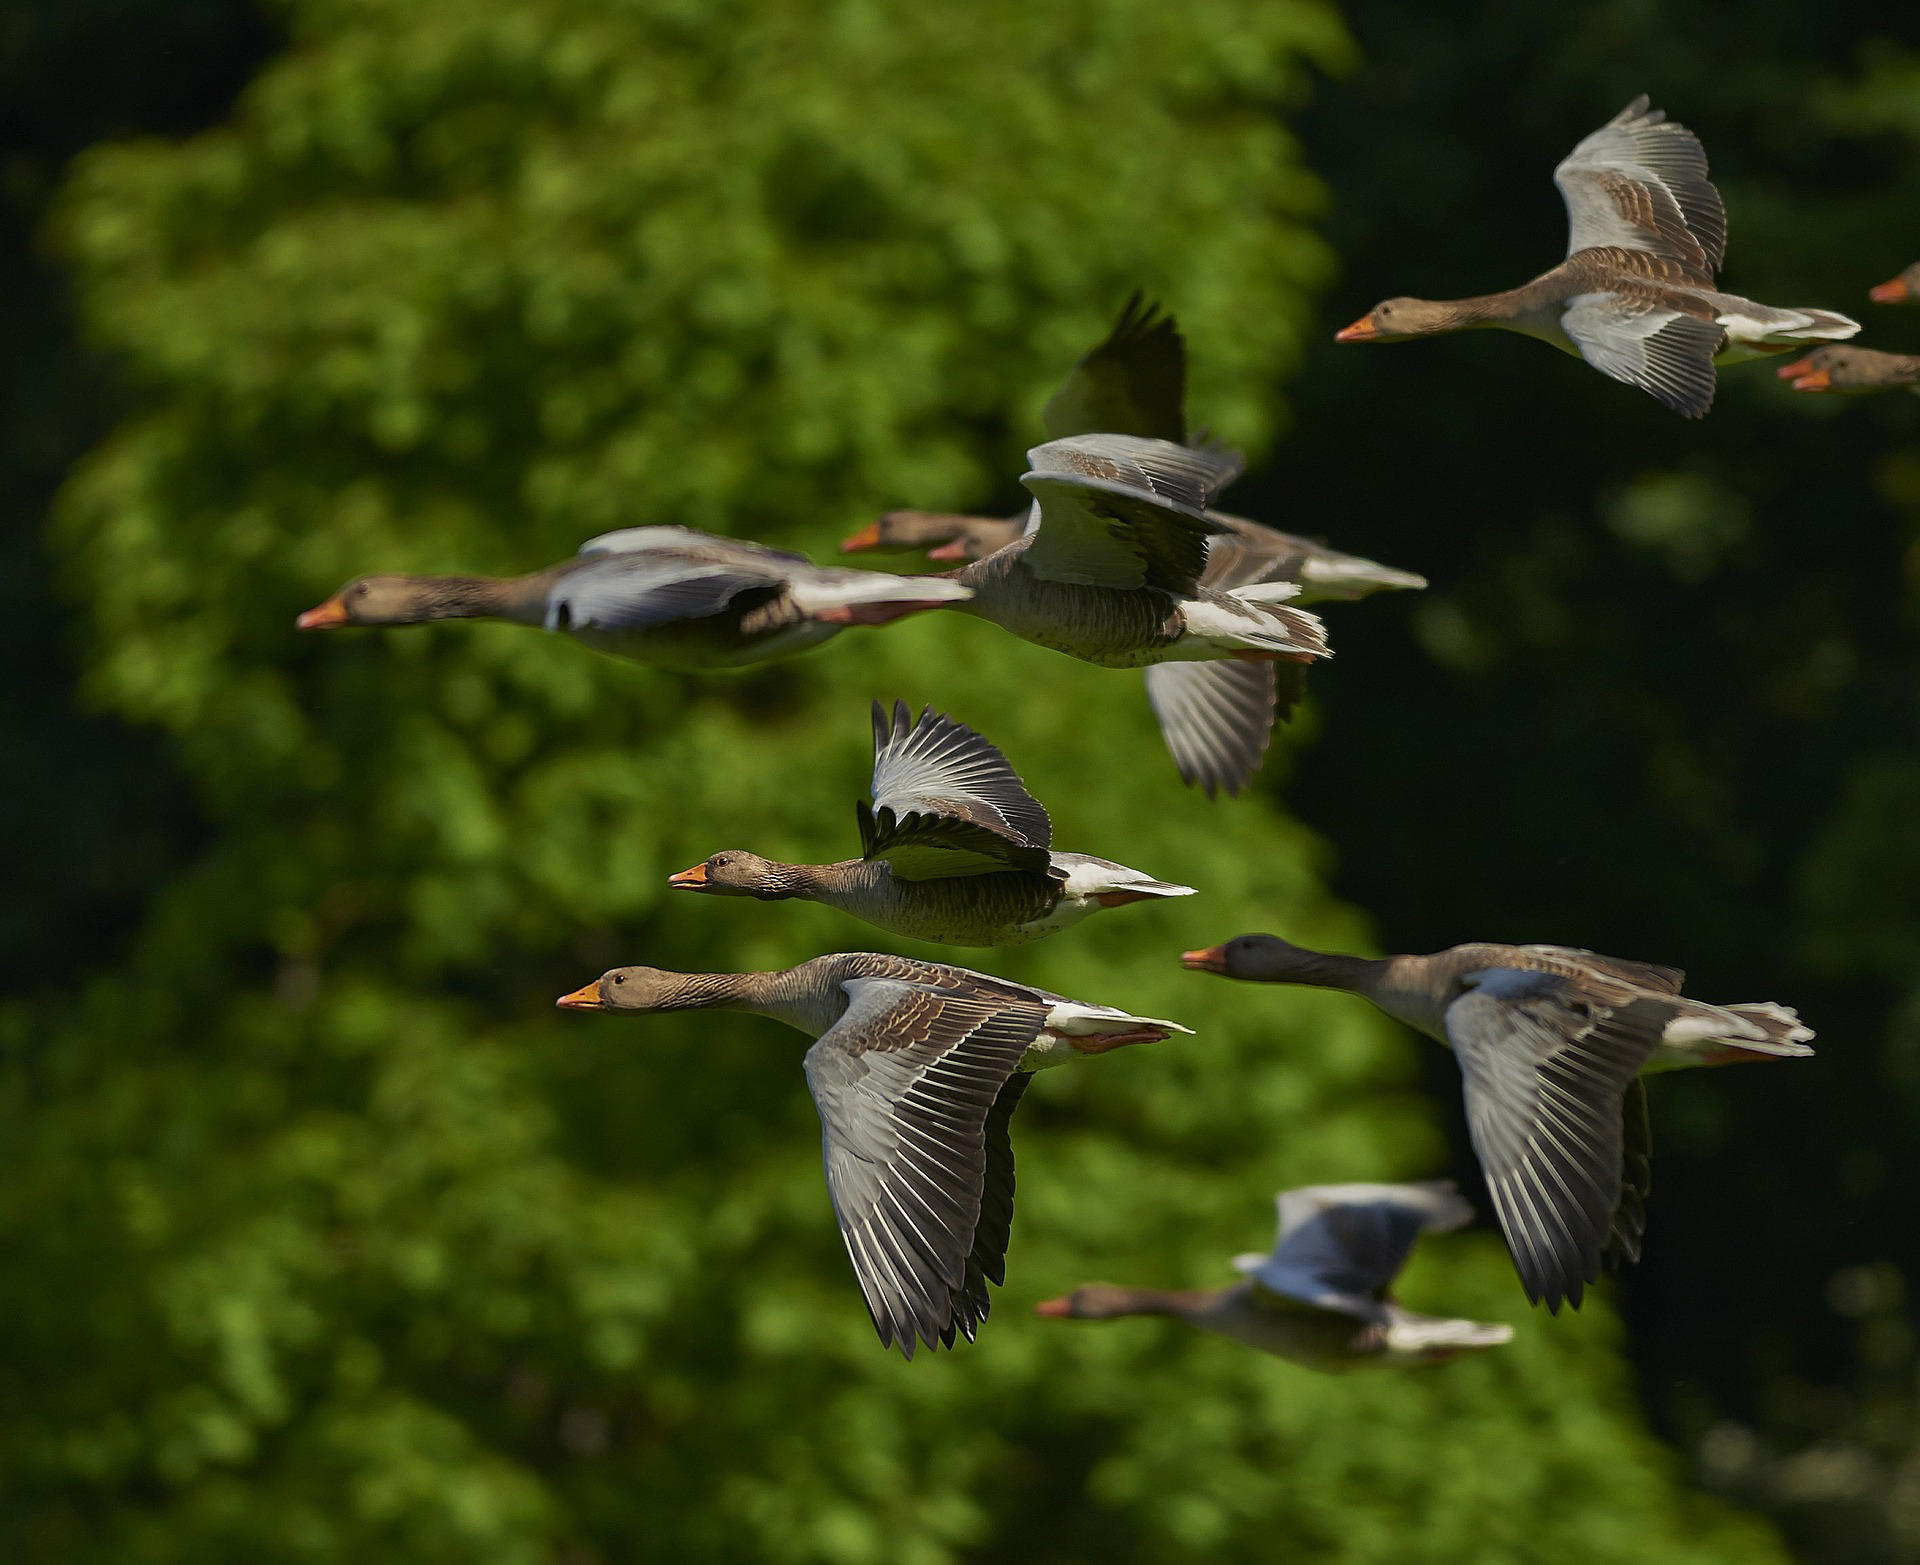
(327, 1237)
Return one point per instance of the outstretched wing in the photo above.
(635, 591)
(1216, 718)
(1133, 383)
(946, 802)
(1122, 512)
(1640, 183)
(1341, 1246)
(1545, 1074)
(1665, 352)
(907, 1083)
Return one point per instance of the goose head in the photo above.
(371, 600)
(627, 989)
(1402, 320)
(1259, 958)
(737, 873)
(1904, 289)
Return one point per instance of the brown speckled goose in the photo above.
(1322, 1298)
(916, 1074)
(1847, 368)
(1551, 1043)
(1635, 296)
(1904, 289)
(954, 849)
(665, 595)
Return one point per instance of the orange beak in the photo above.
(1213, 959)
(689, 879)
(1362, 330)
(330, 615)
(867, 538)
(1058, 1309)
(585, 998)
(1805, 377)
(1895, 292)
(956, 550)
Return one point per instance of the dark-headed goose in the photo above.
(1323, 1297)
(916, 1073)
(954, 849)
(1635, 296)
(665, 595)
(1551, 1043)
(1852, 369)
(1904, 289)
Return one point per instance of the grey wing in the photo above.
(1640, 183)
(988, 1261)
(1117, 511)
(694, 545)
(1665, 352)
(1134, 382)
(1636, 1179)
(946, 802)
(1216, 718)
(1545, 1075)
(1341, 1246)
(1644, 975)
(636, 591)
(906, 1083)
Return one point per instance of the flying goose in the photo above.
(1322, 1297)
(1635, 296)
(1904, 289)
(664, 595)
(916, 1073)
(954, 849)
(1551, 1043)
(1852, 369)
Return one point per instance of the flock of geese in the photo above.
(1121, 559)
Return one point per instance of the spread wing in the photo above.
(1545, 1073)
(635, 591)
(1665, 352)
(1643, 975)
(1123, 512)
(1341, 1246)
(694, 545)
(910, 1084)
(946, 802)
(1133, 383)
(1640, 183)
(1216, 718)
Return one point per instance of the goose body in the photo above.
(916, 1072)
(1323, 1297)
(1636, 295)
(1851, 369)
(663, 595)
(1552, 1043)
(956, 850)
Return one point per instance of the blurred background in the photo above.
(326, 1237)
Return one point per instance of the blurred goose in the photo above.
(954, 849)
(945, 535)
(916, 1074)
(1852, 369)
(1321, 1298)
(1904, 289)
(1551, 1043)
(665, 595)
(1635, 296)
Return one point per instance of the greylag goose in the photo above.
(954, 849)
(1216, 717)
(1904, 289)
(1321, 1298)
(1635, 296)
(665, 595)
(916, 1073)
(1852, 369)
(1551, 1043)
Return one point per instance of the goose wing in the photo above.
(1666, 352)
(912, 1084)
(693, 545)
(1217, 718)
(946, 802)
(1124, 512)
(1545, 1071)
(637, 590)
(1341, 1246)
(1134, 382)
(1640, 183)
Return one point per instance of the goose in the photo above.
(1852, 369)
(954, 849)
(663, 595)
(916, 1072)
(1635, 296)
(1904, 289)
(1216, 717)
(1321, 1298)
(1552, 1042)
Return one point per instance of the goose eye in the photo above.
(619, 978)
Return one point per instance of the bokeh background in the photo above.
(326, 1238)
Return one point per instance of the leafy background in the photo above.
(328, 1238)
